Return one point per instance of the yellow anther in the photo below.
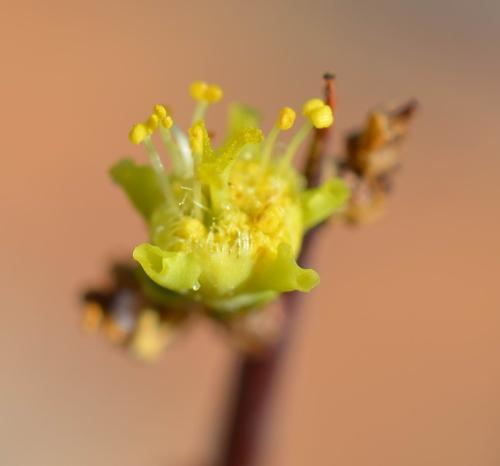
(204, 92)
(321, 117)
(160, 110)
(153, 122)
(270, 221)
(312, 104)
(213, 93)
(191, 228)
(198, 90)
(286, 118)
(167, 122)
(196, 137)
(138, 133)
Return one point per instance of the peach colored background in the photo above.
(398, 357)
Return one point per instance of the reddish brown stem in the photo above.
(258, 374)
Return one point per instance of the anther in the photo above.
(160, 110)
(310, 105)
(153, 122)
(198, 90)
(138, 133)
(321, 117)
(286, 118)
(213, 93)
(167, 122)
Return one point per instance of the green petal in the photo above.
(176, 271)
(140, 184)
(319, 203)
(241, 117)
(282, 273)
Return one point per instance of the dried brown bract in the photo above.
(373, 155)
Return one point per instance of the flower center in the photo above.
(261, 214)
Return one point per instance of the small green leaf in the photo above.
(140, 184)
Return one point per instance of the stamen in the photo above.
(157, 165)
(153, 123)
(199, 112)
(296, 141)
(312, 104)
(286, 118)
(213, 94)
(138, 133)
(196, 140)
(320, 115)
(269, 144)
(205, 94)
(198, 90)
(178, 165)
(160, 110)
(162, 120)
(184, 149)
(284, 123)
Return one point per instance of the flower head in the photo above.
(226, 223)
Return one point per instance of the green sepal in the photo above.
(140, 184)
(176, 271)
(223, 272)
(281, 273)
(321, 202)
(159, 295)
(226, 307)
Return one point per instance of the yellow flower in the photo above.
(226, 224)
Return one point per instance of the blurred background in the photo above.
(396, 359)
